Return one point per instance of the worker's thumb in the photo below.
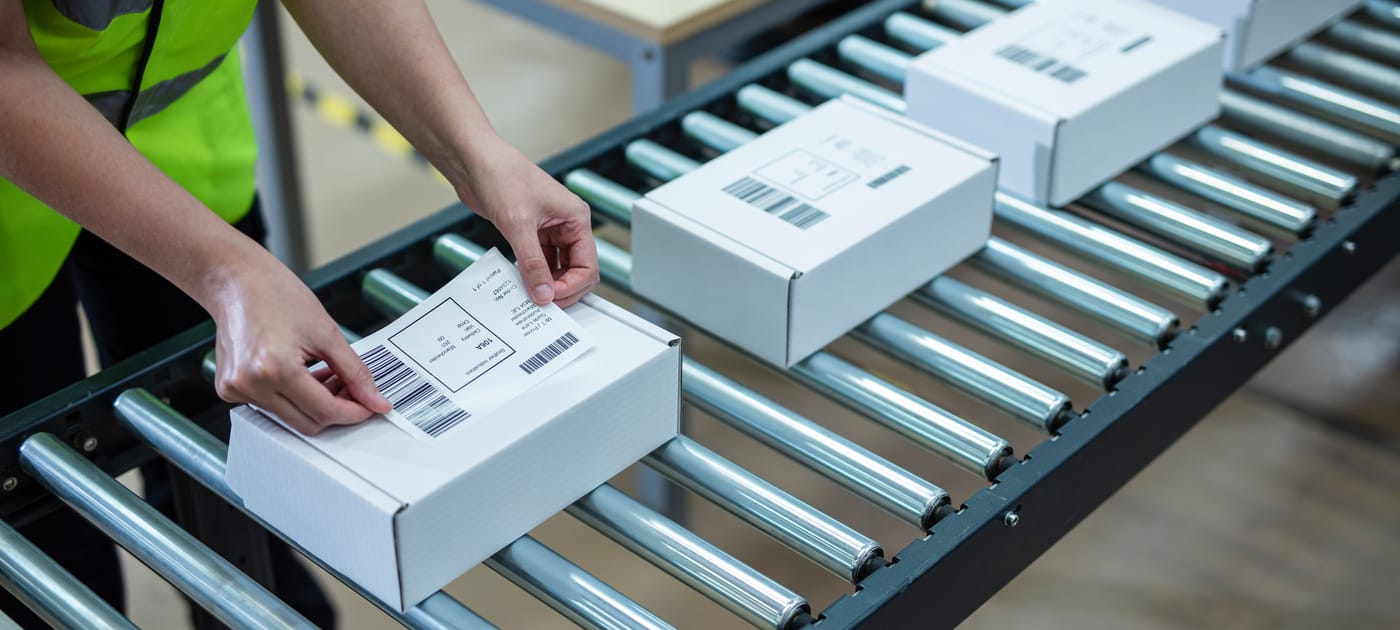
(534, 267)
(358, 380)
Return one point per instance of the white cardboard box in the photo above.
(403, 517)
(1259, 29)
(1072, 92)
(793, 239)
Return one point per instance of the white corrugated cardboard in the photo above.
(403, 515)
(1072, 92)
(1259, 29)
(793, 239)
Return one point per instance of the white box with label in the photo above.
(403, 514)
(1072, 92)
(1259, 29)
(790, 241)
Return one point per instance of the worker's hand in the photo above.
(269, 326)
(547, 226)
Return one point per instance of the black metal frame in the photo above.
(969, 555)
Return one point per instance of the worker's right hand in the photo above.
(269, 326)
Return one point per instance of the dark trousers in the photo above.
(129, 308)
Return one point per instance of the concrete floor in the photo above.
(1277, 511)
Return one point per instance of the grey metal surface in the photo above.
(829, 82)
(825, 541)
(749, 594)
(1163, 270)
(1013, 393)
(658, 161)
(1264, 159)
(1207, 235)
(715, 132)
(1377, 42)
(1385, 12)
(872, 56)
(921, 422)
(1347, 68)
(49, 590)
(569, 590)
(917, 32)
(849, 465)
(770, 105)
(1256, 202)
(607, 196)
(1135, 316)
(208, 579)
(1322, 96)
(1078, 355)
(1324, 137)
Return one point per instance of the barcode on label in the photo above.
(887, 177)
(549, 353)
(411, 395)
(775, 202)
(1044, 64)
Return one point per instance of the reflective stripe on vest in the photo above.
(188, 115)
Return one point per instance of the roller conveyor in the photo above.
(1149, 264)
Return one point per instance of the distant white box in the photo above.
(793, 239)
(1072, 92)
(403, 516)
(1259, 29)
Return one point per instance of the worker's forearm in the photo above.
(391, 53)
(56, 147)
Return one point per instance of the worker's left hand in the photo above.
(547, 226)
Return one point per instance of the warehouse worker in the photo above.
(124, 131)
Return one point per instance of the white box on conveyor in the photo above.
(793, 239)
(1259, 29)
(1072, 92)
(488, 444)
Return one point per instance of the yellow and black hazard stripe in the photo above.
(347, 113)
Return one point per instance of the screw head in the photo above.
(1349, 247)
(88, 444)
(9, 484)
(1012, 518)
(1312, 305)
(1239, 335)
(1273, 338)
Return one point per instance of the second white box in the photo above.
(795, 238)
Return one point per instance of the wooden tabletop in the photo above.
(660, 21)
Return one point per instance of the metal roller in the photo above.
(833, 546)
(49, 590)
(204, 458)
(1385, 12)
(1085, 358)
(1154, 266)
(980, 377)
(747, 593)
(715, 132)
(1237, 149)
(1255, 202)
(863, 473)
(206, 577)
(1324, 137)
(1347, 68)
(1373, 41)
(878, 59)
(660, 162)
(1128, 313)
(829, 82)
(963, 14)
(923, 423)
(569, 590)
(1207, 235)
(768, 104)
(918, 33)
(1322, 96)
(1261, 158)
(612, 199)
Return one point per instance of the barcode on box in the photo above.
(775, 202)
(887, 177)
(1043, 64)
(411, 395)
(549, 353)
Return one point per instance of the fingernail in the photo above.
(543, 293)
